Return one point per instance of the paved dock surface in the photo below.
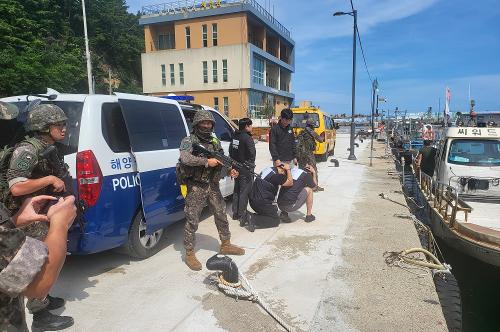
(328, 275)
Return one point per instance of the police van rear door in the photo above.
(156, 129)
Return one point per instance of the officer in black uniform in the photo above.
(282, 145)
(242, 149)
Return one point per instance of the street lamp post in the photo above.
(354, 14)
(374, 92)
(87, 51)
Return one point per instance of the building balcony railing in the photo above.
(272, 83)
(184, 6)
(285, 87)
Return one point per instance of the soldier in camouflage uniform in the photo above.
(29, 175)
(306, 145)
(22, 258)
(202, 175)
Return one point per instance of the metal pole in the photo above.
(87, 51)
(372, 122)
(353, 102)
(109, 81)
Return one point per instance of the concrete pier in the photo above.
(328, 275)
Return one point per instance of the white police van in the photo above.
(123, 150)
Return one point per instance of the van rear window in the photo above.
(113, 127)
(153, 126)
(299, 119)
(73, 111)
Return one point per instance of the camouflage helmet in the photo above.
(203, 115)
(44, 115)
(8, 111)
(310, 122)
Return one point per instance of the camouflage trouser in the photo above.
(196, 199)
(36, 305)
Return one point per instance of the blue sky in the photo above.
(414, 47)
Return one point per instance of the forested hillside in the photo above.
(42, 45)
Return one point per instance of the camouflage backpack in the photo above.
(5, 156)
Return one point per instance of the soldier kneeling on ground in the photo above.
(201, 176)
(264, 191)
(293, 198)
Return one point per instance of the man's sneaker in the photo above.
(310, 218)
(46, 321)
(284, 217)
(318, 188)
(243, 220)
(250, 223)
(55, 302)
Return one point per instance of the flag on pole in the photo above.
(447, 101)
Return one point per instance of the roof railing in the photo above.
(185, 6)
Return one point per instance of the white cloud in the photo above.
(310, 21)
(388, 66)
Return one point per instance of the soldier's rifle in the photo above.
(61, 169)
(242, 168)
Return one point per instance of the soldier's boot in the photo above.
(226, 248)
(191, 261)
(44, 320)
(55, 302)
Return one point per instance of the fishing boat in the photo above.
(463, 197)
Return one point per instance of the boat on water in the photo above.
(463, 197)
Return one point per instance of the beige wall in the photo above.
(280, 104)
(231, 29)
(237, 57)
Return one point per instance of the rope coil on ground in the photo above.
(243, 290)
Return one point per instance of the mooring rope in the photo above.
(243, 290)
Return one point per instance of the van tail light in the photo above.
(323, 136)
(88, 177)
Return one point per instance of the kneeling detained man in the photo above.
(201, 176)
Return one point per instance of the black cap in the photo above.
(287, 113)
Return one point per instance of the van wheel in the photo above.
(141, 245)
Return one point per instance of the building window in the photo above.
(224, 70)
(257, 105)
(258, 70)
(226, 106)
(214, 71)
(188, 37)
(214, 34)
(166, 41)
(163, 75)
(205, 35)
(172, 74)
(205, 72)
(216, 103)
(181, 73)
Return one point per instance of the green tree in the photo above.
(42, 45)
